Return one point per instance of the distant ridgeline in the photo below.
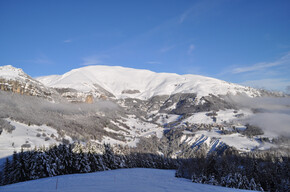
(253, 171)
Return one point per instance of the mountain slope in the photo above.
(141, 84)
(15, 80)
(186, 104)
(117, 180)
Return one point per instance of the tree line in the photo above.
(253, 171)
(75, 158)
(261, 171)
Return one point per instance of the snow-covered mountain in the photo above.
(15, 80)
(121, 82)
(142, 104)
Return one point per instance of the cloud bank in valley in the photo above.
(271, 114)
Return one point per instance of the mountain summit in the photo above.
(121, 82)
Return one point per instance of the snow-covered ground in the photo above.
(36, 136)
(122, 180)
(32, 135)
(222, 116)
(137, 129)
(167, 118)
(214, 138)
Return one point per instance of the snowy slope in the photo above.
(35, 136)
(222, 116)
(9, 72)
(143, 84)
(14, 79)
(214, 139)
(126, 180)
(132, 129)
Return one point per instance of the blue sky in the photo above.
(241, 41)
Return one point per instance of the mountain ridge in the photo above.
(142, 84)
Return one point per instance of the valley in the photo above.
(175, 116)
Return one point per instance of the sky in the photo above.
(240, 41)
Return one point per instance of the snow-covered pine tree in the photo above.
(6, 178)
(67, 159)
(84, 163)
(109, 157)
(212, 180)
(32, 165)
(16, 166)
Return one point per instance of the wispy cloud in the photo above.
(194, 69)
(41, 59)
(269, 84)
(94, 60)
(153, 62)
(255, 67)
(197, 10)
(263, 65)
(67, 41)
(273, 116)
(273, 75)
(167, 48)
(185, 15)
(190, 49)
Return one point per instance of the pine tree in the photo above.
(67, 159)
(40, 165)
(15, 169)
(84, 164)
(109, 157)
(6, 178)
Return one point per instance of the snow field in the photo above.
(121, 180)
(24, 134)
(213, 138)
(137, 129)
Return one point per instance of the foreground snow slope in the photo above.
(143, 84)
(126, 180)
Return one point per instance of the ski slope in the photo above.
(121, 180)
(143, 84)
